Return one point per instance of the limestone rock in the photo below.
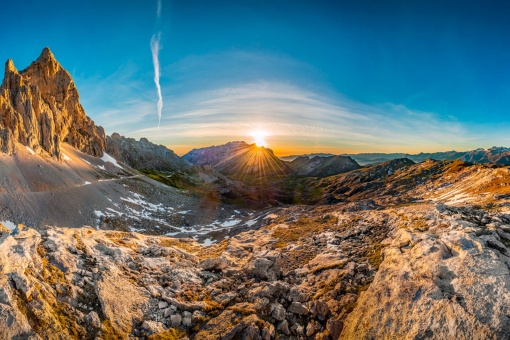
(40, 108)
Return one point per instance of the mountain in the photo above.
(240, 160)
(243, 160)
(54, 169)
(310, 155)
(40, 108)
(143, 154)
(494, 155)
(322, 166)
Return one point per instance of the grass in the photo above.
(170, 334)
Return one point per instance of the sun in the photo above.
(259, 138)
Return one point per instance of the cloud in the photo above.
(295, 116)
(155, 60)
(158, 12)
(213, 103)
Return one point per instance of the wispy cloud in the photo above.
(296, 112)
(155, 47)
(158, 11)
(294, 117)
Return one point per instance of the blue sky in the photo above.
(331, 76)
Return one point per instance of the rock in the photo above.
(214, 264)
(268, 332)
(187, 321)
(153, 327)
(298, 308)
(225, 298)
(168, 312)
(310, 329)
(334, 328)
(284, 327)
(278, 312)
(40, 109)
(93, 320)
(162, 304)
(176, 319)
(265, 269)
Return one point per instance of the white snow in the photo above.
(66, 157)
(101, 167)
(249, 223)
(98, 213)
(107, 158)
(87, 183)
(207, 242)
(32, 152)
(9, 225)
(85, 161)
(230, 223)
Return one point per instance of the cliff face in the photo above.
(40, 108)
(143, 154)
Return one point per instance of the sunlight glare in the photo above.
(259, 138)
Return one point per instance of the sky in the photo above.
(314, 76)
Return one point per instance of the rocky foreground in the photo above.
(328, 272)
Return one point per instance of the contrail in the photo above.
(155, 47)
(155, 50)
(159, 9)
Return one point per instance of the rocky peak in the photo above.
(40, 108)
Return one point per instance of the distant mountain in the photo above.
(494, 155)
(143, 154)
(322, 166)
(240, 160)
(310, 155)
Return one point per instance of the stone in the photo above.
(214, 264)
(310, 329)
(176, 319)
(162, 304)
(278, 312)
(93, 320)
(298, 308)
(168, 312)
(284, 327)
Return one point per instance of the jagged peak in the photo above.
(9, 66)
(46, 55)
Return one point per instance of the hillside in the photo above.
(320, 166)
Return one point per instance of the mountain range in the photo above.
(494, 155)
(107, 237)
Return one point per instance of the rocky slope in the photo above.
(326, 272)
(40, 108)
(143, 154)
(321, 166)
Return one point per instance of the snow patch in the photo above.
(32, 152)
(9, 225)
(87, 183)
(66, 157)
(107, 158)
